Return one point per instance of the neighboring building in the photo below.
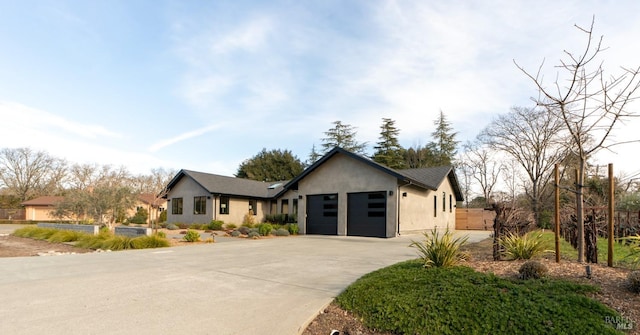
(39, 209)
(341, 194)
(152, 204)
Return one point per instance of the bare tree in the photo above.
(532, 137)
(484, 169)
(590, 104)
(27, 173)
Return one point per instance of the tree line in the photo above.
(96, 192)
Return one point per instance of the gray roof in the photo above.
(224, 185)
(434, 176)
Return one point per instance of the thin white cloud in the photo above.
(184, 136)
(24, 119)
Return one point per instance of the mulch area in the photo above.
(12, 246)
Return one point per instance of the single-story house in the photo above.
(343, 193)
(40, 208)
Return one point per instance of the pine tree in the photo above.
(343, 136)
(388, 150)
(444, 144)
(273, 165)
(314, 155)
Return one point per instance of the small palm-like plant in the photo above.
(440, 250)
(527, 246)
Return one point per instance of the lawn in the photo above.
(620, 251)
(410, 299)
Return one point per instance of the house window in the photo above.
(294, 204)
(435, 206)
(176, 206)
(224, 205)
(450, 203)
(199, 205)
(284, 206)
(444, 202)
(253, 207)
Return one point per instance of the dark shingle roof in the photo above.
(217, 184)
(434, 176)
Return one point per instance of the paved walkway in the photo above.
(267, 286)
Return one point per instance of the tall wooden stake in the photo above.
(557, 212)
(610, 216)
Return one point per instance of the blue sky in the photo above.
(203, 85)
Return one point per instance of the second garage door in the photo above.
(322, 214)
(367, 214)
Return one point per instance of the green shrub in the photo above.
(265, 229)
(235, 233)
(230, 226)
(197, 226)
(405, 298)
(191, 236)
(533, 270)
(282, 232)
(163, 217)
(526, 246)
(253, 234)
(634, 281)
(182, 225)
(161, 234)
(440, 251)
(140, 217)
(172, 226)
(118, 242)
(244, 230)
(293, 228)
(215, 225)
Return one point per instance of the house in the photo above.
(341, 194)
(39, 209)
(151, 203)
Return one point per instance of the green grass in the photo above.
(406, 298)
(621, 252)
(104, 240)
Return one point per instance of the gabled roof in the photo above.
(150, 199)
(434, 176)
(217, 184)
(43, 201)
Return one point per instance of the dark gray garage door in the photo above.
(367, 214)
(322, 214)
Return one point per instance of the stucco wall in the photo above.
(238, 208)
(187, 189)
(39, 213)
(417, 208)
(343, 175)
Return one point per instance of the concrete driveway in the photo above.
(267, 286)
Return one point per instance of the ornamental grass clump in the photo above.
(441, 250)
(533, 270)
(527, 246)
(634, 281)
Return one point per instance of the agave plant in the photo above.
(440, 250)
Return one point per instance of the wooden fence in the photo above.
(12, 214)
(474, 219)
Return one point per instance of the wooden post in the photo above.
(557, 212)
(610, 216)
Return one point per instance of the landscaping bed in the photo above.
(611, 281)
(12, 246)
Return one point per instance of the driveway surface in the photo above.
(266, 286)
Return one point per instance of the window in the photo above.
(284, 206)
(435, 206)
(199, 205)
(176, 206)
(224, 205)
(253, 207)
(444, 202)
(294, 204)
(450, 203)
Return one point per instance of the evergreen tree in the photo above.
(274, 165)
(418, 157)
(314, 155)
(388, 150)
(444, 144)
(344, 136)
